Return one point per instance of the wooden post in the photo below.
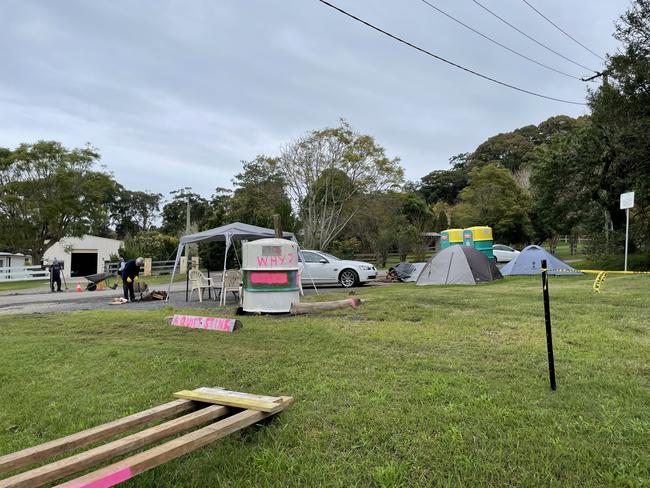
(549, 333)
(182, 269)
(147, 267)
(277, 224)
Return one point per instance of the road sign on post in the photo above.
(627, 202)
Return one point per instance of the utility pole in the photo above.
(602, 73)
(277, 224)
(187, 229)
(187, 219)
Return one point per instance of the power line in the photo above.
(498, 43)
(562, 30)
(439, 58)
(532, 38)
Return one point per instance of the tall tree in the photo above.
(260, 193)
(493, 198)
(621, 121)
(174, 213)
(48, 192)
(133, 212)
(330, 175)
(561, 188)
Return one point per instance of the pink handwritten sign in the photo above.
(208, 323)
(291, 259)
(269, 278)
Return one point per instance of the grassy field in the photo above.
(426, 386)
(23, 285)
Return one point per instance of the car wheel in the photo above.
(348, 278)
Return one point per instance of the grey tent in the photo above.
(226, 233)
(458, 265)
(529, 262)
(407, 272)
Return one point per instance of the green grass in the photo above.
(22, 285)
(162, 279)
(421, 386)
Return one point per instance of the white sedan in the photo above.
(323, 268)
(504, 254)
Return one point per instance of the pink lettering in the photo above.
(262, 261)
(206, 323)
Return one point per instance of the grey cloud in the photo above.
(177, 93)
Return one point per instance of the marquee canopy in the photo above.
(229, 233)
(236, 231)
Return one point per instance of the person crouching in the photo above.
(130, 275)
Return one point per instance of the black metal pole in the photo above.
(549, 333)
(209, 288)
(187, 284)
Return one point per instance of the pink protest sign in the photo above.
(208, 323)
(267, 278)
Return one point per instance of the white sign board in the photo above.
(627, 200)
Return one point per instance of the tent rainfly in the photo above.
(529, 262)
(458, 265)
(228, 234)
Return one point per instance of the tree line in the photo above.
(339, 190)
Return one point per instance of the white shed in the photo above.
(11, 260)
(9, 264)
(83, 256)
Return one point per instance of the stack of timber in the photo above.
(224, 411)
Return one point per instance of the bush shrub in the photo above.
(152, 244)
(616, 262)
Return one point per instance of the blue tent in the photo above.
(529, 262)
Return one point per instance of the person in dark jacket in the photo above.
(130, 274)
(55, 275)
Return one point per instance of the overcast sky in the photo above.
(177, 93)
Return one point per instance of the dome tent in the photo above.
(529, 262)
(458, 265)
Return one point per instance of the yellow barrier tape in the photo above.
(597, 271)
(599, 281)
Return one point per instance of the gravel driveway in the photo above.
(41, 300)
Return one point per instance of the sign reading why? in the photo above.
(208, 323)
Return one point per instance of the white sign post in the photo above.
(627, 202)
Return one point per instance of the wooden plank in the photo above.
(237, 399)
(315, 307)
(134, 465)
(57, 446)
(73, 464)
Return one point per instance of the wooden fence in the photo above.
(24, 273)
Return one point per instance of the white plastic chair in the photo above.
(232, 282)
(199, 282)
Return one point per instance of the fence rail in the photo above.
(157, 267)
(24, 273)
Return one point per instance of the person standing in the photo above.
(130, 274)
(55, 275)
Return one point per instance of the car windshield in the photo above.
(329, 256)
